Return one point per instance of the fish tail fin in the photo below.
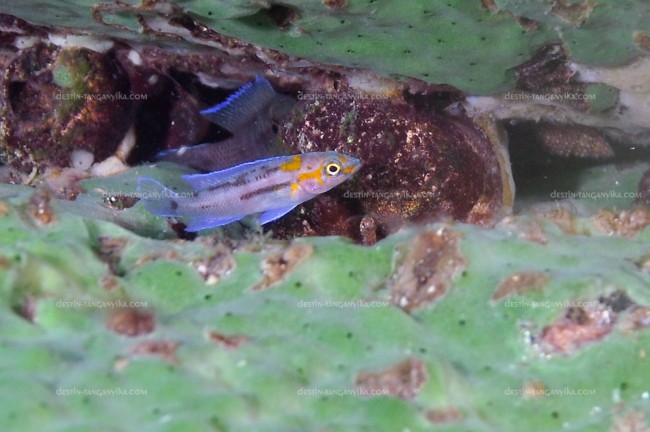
(157, 198)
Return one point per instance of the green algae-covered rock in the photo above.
(540, 323)
(471, 45)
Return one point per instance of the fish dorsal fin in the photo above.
(242, 106)
(200, 182)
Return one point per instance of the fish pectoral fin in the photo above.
(273, 214)
(198, 223)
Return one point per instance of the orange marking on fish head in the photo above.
(294, 188)
(293, 165)
(315, 174)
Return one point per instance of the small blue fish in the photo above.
(269, 187)
(249, 115)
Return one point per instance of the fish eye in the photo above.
(332, 169)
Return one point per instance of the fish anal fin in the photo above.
(273, 214)
(198, 223)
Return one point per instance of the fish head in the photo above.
(279, 107)
(322, 171)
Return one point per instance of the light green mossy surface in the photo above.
(296, 370)
(456, 42)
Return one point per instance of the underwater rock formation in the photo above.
(56, 101)
(417, 164)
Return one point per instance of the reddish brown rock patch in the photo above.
(109, 282)
(39, 207)
(630, 421)
(642, 39)
(445, 415)
(574, 140)
(335, 4)
(164, 349)
(27, 309)
(277, 265)
(4, 208)
(626, 223)
(533, 232)
(426, 268)
(167, 254)
(131, 321)
(575, 13)
(520, 283)
(227, 341)
(109, 250)
(638, 318)
(588, 322)
(578, 327)
(215, 267)
(404, 380)
(533, 389)
(547, 69)
(564, 219)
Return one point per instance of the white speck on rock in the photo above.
(23, 42)
(135, 58)
(111, 166)
(126, 145)
(76, 41)
(81, 159)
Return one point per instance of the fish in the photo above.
(268, 188)
(249, 115)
